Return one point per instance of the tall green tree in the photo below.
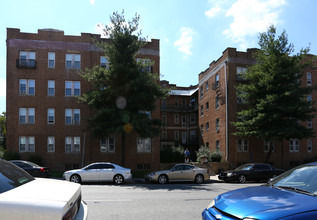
(125, 92)
(277, 103)
(3, 133)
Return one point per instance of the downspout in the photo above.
(227, 123)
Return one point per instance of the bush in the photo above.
(216, 156)
(172, 155)
(9, 155)
(36, 159)
(203, 152)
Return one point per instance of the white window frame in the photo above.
(217, 125)
(73, 61)
(72, 144)
(164, 119)
(176, 134)
(27, 57)
(29, 84)
(104, 62)
(26, 144)
(51, 87)
(51, 60)
(176, 118)
(144, 145)
(241, 71)
(72, 116)
(51, 144)
(107, 145)
(217, 102)
(51, 116)
(309, 79)
(28, 114)
(72, 88)
(243, 145)
(201, 110)
(309, 145)
(294, 145)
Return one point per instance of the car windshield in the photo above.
(244, 167)
(12, 176)
(302, 179)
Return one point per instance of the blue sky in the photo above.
(192, 33)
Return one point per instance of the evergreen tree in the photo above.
(277, 104)
(125, 92)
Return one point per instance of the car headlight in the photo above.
(211, 204)
(229, 174)
(151, 174)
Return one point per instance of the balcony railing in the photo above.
(179, 108)
(26, 64)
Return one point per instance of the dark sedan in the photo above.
(32, 168)
(250, 171)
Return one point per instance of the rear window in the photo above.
(12, 176)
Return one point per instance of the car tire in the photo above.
(118, 179)
(75, 178)
(162, 179)
(242, 179)
(199, 179)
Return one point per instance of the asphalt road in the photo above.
(143, 201)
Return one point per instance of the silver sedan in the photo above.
(99, 172)
(179, 172)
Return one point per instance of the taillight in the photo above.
(42, 169)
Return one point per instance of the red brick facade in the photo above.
(218, 82)
(28, 101)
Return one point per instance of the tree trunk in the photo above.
(268, 155)
(123, 149)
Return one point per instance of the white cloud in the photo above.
(250, 17)
(212, 12)
(2, 87)
(92, 2)
(185, 43)
(217, 7)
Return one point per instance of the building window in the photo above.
(27, 87)
(176, 102)
(192, 118)
(184, 137)
(309, 81)
(26, 115)
(192, 135)
(201, 111)
(207, 86)
(104, 61)
(241, 71)
(26, 144)
(207, 106)
(27, 60)
(217, 125)
(145, 64)
(217, 102)
(72, 88)
(164, 103)
(51, 87)
(201, 92)
(294, 145)
(309, 145)
(243, 145)
(72, 116)
(72, 144)
(176, 135)
(310, 124)
(217, 80)
(202, 130)
(267, 145)
(207, 126)
(164, 135)
(183, 121)
(143, 145)
(72, 61)
(107, 145)
(310, 99)
(50, 144)
(176, 118)
(164, 120)
(51, 116)
(217, 145)
(51, 60)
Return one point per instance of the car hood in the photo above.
(39, 199)
(264, 202)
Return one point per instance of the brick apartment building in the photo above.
(179, 114)
(218, 107)
(44, 117)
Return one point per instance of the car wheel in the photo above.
(162, 179)
(75, 178)
(242, 179)
(199, 179)
(118, 179)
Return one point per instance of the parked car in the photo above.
(99, 172)
(32, 168)
(250, 171)
(292, 195)
(25, 197)
(179, 172)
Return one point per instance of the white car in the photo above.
(25, 197)
(99, 172)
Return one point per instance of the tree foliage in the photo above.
(3, 130)
(124, 93)
(277, 103)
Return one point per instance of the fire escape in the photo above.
(220, 92)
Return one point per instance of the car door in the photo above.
(107, 172)
(176, 173)
(91, 173)
(189, 172)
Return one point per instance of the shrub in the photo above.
(216, 156)
(203, 152)
(10, 155)
(172, 155)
